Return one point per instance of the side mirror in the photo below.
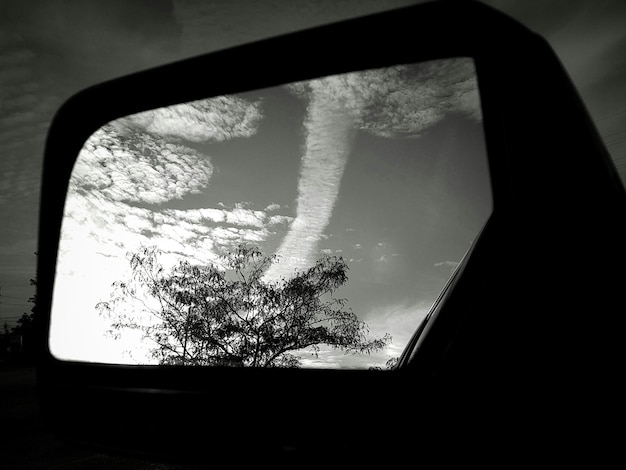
(484, 353)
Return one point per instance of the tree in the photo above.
(20, 340)
(226, 313)
(26, 323)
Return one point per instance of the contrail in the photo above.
(329, 131)
(408, 100)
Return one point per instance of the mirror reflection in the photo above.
(306, 225)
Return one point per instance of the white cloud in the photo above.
(116, 227)
(131, 163)
(450, 264)
(97, 234)
(240, 216)
(138, 167)
(403, 100)
(214, 119)
(237, 216)
(400, 321)
(280, 220)
(214, 215)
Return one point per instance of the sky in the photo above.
(385, 168)
(51, 49)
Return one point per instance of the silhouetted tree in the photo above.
(25, 324)
(391, 363)
(227, 314)
(20, 339)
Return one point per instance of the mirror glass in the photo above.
(307, 225)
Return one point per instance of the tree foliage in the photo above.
(18, 343)
(226, 313)
(26, 323)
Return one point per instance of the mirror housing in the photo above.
(487, 354)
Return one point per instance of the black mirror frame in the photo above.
(518, 74)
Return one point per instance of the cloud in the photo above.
(412, 98)
(280, 220)
(97, 234)
(143, 157)
(236, 216)
(404, 100)
(138, 167)
(27, 108)
(450, 264)
(215, 119)
(400, 321)
(207, 26)
(401, 101)
(239, 216)
(95, 223)
(130, 168)
(124, 175)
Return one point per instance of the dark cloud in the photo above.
(95, 38)
(589, 37)
(218, 24)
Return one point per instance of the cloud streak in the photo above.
(401, 101)
(449, 264)
(328, 142)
